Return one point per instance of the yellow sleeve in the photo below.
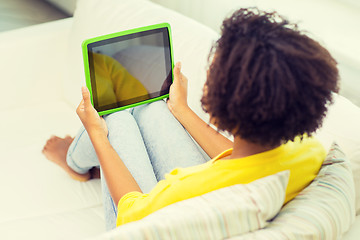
(128, 200)
(125, 206)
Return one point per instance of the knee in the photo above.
(151, 109)
(118, 118)
(158, 105)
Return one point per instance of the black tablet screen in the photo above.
(129, 69)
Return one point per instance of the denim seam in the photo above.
(113, 206)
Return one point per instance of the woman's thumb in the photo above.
(86, 96)
(177, 71)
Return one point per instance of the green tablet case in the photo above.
(86, 51)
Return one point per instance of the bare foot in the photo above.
(56, 149)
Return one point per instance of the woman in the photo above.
(268, 85)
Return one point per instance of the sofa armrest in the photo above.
(33, 62)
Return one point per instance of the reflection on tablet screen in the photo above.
(129, 69)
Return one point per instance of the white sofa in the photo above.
(38, 68)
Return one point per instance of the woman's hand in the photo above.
(177, 102)
(91, 120)
(118, 178)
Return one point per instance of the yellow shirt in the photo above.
(303, 159)
(114, 83)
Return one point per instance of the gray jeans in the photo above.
(150, 142)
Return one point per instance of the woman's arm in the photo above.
(118, 178)
(210, 140)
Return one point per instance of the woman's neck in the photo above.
(243, 148)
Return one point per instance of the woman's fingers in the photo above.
(88, 115)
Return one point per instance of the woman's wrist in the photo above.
(96, 133)
(181, 113)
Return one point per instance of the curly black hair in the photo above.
(267, 81)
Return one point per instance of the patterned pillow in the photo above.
(219, 214)
(323, 210)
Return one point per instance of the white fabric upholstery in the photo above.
(342, 125)
(38, 199)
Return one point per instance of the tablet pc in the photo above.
(128, 68)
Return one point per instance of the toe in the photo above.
(68, 137)
(54, 138)
(44, 149)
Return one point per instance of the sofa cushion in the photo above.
(342, 125)
(191, 40)
(220, 214)
(323, 210)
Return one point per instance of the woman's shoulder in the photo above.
(307, 142)
(308, 147)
